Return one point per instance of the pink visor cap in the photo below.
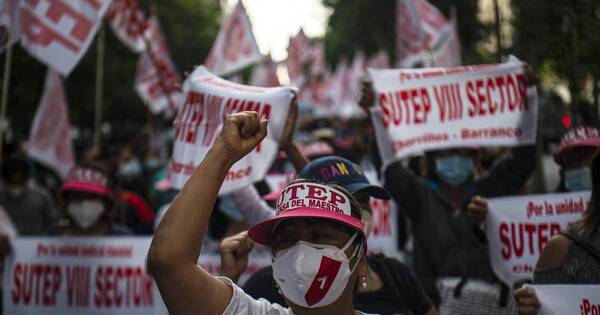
(577, 137)
(86, 180)
(307, 200)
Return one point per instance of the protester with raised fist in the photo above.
(316, 238)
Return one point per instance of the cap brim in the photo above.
(585, 143)
(85, 187)
(373, 190)
(262, 232)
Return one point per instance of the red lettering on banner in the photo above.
(518, 239)
(449, 101)
(239, 174)
(58, 9)
(189, 118)
(35, 284)
(119, 286)
(411, 106)
(588, 308)
(510, 89)
(40, 34)
(78, 286)
(381, 217)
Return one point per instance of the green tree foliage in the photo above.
(560, 37)
(369, 25)
(190, 27)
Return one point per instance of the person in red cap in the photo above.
(574, 155)
(316, 238)
(88, 201)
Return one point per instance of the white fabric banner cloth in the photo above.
(50, 137)
(518, 228)
(207, 100)
(563, 299)
(59, 32)
(441, 108)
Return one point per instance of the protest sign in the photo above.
(384, 223)
(129, 23)
(71, 276)
(440, 108)
(207, 100)
(156, 80)
(518, 228)
(50, 137)
(560, 299)
(59, 32)
(235, 46)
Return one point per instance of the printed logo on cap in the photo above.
(580, 134)
(80, 174)
(313, 196)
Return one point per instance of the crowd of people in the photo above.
(321, 260)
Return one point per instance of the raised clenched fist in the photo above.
(240, 134)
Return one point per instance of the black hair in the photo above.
(591, 218)
(15, 165)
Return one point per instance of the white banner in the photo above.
(518, 228)
(73, 276)
(440, 108)
(50, 137)
(59, 32)
(384, 223)
(207, 100)
(156, 79)
(235, 46)
(561, 299)
(129, 23)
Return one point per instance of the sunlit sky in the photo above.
(274, 21)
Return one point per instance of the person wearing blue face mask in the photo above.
(575, 152)
(450, 254)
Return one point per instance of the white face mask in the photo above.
(85, 213)
(312, 275)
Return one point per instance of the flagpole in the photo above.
(5, 88)
(99, 88)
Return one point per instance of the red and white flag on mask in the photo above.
(49, 139)
(420, 30)
(59, 32)
(265, 74)
(235, 47)
(129, 23)
(9, 26)
(157, 81)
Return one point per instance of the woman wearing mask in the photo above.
(445, 245)
(88, 202)
(572, 256)
(316, 240)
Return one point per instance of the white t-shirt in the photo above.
(242, 303)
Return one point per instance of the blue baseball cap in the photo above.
(344, 172)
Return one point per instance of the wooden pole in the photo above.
(99, 88)
(5, 89)
(498, 32)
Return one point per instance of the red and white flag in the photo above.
(129, 23)
(59, 32)
(157, 81)
(235, 46)
(420, 30)
(265, 74)
(49, 139)
(448, 54)
(9, 26)
(380, 60)
(299, 51)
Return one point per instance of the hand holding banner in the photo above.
(560, 299)
(207, 100)
(441, 108)
(518, 228)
